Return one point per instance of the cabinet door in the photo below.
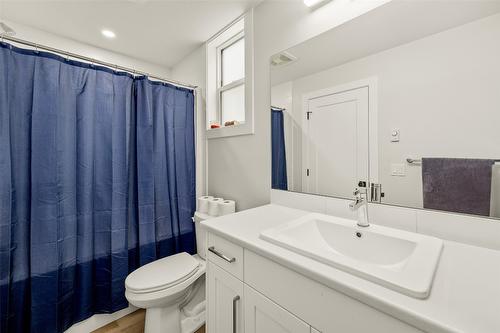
(264, 316)
(225, 301)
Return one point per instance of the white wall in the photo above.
(441, 92)
(239, 168)
(65, 44)
(192, 70)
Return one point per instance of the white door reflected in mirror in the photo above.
(335, 142)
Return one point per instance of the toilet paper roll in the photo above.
(203, 203)
(213, 206)
(227, 207)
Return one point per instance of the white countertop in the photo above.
(465, 296)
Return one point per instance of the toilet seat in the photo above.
(163, 297)
(162, 274)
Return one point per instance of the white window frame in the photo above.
(240, 28)
(220, 87)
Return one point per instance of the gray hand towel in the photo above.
(457, 185)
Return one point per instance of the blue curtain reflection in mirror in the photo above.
(279, 175)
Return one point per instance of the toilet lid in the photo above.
(162, 273)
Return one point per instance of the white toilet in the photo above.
(162, 287)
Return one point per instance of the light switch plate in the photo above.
(398, 169)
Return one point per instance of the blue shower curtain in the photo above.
(96, 178)
(278, 159)
(165, 170)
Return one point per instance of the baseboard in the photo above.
(99, 320)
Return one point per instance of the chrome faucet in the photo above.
(359, 205)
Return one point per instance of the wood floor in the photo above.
(131, 323)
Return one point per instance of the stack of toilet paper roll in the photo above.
(215, 206)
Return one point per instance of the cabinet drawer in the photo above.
(226, 255)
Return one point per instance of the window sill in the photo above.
(227, 131)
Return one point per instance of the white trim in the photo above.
(231, 85)
(99, 320)
(227, 27)
(373, 171)
(372, 84)
(305, 129)
(212, 84)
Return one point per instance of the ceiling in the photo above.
(162, 32)
(395, 23)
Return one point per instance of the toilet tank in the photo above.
(201, 233)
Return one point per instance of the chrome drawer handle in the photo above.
(220, 255)
(235, 299)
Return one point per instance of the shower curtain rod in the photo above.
(94, 61)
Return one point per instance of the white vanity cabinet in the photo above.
(224, 301)
(234, 307)
(248, 293)
(263, 315)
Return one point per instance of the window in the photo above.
(229, 104)
(231, 82)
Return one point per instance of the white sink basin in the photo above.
(400, 260)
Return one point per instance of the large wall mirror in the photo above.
(404, 100)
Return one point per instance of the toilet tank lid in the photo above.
(161, 274)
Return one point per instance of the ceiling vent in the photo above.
(283, 58)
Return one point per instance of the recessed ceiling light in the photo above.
(108, 33)
(313, 3)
